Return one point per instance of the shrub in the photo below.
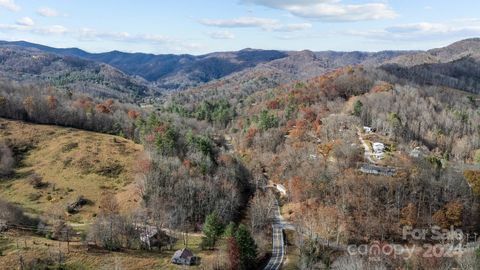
(34, 196)
(12, 214)
(73, 207)
(477, 157)
(37, 181)
(69, 147)
(6, 160)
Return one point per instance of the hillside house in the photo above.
(378, 150)
(378, 147)
(378, 170)
(368, 130)
(281, 188)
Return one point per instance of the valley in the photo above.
(139, 156)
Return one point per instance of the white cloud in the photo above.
(419, 27)
(255, 22)
(48, 12)
(330, 10)
(293, 27)
(54, 29)
(10, 5)
(221, 35)
(11, 27)
(455, 29)
(25, 26)
(283, 3)
(90, 34)
(26, 21)
(239, 22)
(87, 34)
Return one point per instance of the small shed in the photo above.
(184, 257)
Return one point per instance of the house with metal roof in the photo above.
(184, 257)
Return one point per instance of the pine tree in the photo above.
(247, 247)
(230, 230)
(357, 108)
(212, 229)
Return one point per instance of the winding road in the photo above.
(278, 249)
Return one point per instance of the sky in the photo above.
(203, 26)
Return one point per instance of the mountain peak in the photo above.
(467, 47)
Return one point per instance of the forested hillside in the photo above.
(180, 72)
(48, 105)
(306, 136)
(69, 73)
(352, 147)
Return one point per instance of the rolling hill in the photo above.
(168, 71)
(32, 66)
(455, 66)
(77, 163)
(298, 66)
(233, 74)
(179, 72)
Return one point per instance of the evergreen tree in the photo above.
(267, 120)
(247, 247)
(230, 230)
(357, 108)
(212, 229)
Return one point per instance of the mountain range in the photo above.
(136, 75)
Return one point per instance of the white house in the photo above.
(416, 153)
(378, 147)
(281, 188)
(367, 129)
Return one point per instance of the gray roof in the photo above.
(378, 170)
(183, 253)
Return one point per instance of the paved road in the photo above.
(278, 249)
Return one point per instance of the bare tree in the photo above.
(262, 206)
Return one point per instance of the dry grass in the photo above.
(73, 163)
(77, 163)
(292, 258)
(32, 247)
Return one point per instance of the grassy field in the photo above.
(75, 163)
(32, 247)
(72, 163)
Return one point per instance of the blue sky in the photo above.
(197, 27)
